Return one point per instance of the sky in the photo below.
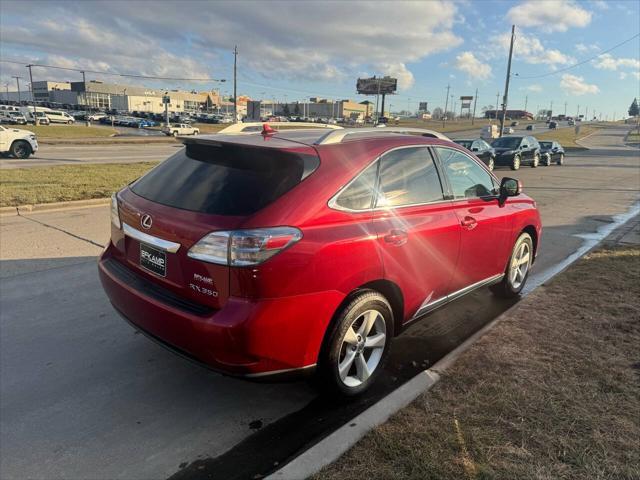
(300, 49)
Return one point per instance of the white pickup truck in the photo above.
(180, 129)
(16, 142)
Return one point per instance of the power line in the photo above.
(579, 63)
(115, 74)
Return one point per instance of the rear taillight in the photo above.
(244, 247)
(115, 213)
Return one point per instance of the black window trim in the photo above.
(444, 185)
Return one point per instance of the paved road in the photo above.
(84, 396)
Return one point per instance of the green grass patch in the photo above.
(566, 136)
(70, 131)
(24, 186)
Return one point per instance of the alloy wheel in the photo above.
(492, 164)
(362, 348)
(520, 264)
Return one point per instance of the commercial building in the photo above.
(320, 108)
(42, 90)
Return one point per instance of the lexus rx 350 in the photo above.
(281, 253)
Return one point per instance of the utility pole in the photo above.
(505, 99)
(446, 105)
(497, 100)
(565, 109)
(235, 91)
(475, 102)
(18, 83)
(36, 121)
(578, 112)
(526, 100)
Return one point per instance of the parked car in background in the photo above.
(531, 127)
(552, 152)
(516, 151)
(180, 129)
(95, 117)
(508, 130)
(58, 116)
(553, 125)
(294, 260)
(515, 124)
(481, 149)
(18, 118)
(571, 122)
(16, 142)
(41, 116)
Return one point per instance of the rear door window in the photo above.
(359, 194)
(225, 179)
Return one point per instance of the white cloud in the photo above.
(466, 62)
(600, 4)
(530, 49)
(549, 15)
(278, 41)
(575, 85)
(608, 62)
(534, 88)
(582, 48)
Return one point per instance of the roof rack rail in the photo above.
(341, 135)
(256, 127)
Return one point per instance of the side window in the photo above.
(467, 178)
(359, 195)
(408, 176)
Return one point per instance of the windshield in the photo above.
(464, 143)
(506, 142)
(546, 144)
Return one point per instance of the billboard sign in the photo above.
(466, 101)
(375, 85)
(423, 106)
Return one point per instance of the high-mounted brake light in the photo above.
(244, 247)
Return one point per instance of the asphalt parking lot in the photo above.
(85, 396)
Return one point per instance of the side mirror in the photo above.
(509, 187)
(523, 146)
(475, 149)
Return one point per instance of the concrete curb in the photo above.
(332, 447)
(54, 206)
(117, 140)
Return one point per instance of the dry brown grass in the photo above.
(553, 392)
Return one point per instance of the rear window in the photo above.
(224, 179)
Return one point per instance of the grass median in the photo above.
(566, 136)
(552, 392)
(23, 186)
(70, 131)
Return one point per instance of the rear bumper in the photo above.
(258, 339)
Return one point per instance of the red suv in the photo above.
(275, 253)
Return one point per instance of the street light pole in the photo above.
(18, 83)
(235, 79)
(446, 105)
(505, 99)
(475, 102)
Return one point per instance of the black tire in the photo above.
(334, 350)
(515, 163)
(492, 164)
(70, 122)
(21, 149)
(547, 161)
(506, 288)
(536, 161)
(560, 159)
(195, 133)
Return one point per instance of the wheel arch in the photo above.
(533, 233)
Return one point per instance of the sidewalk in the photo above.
(551, 392)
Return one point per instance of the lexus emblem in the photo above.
(146, 221)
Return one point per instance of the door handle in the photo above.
(396, 237)
(469, 223)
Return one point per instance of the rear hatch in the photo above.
(208, 186)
